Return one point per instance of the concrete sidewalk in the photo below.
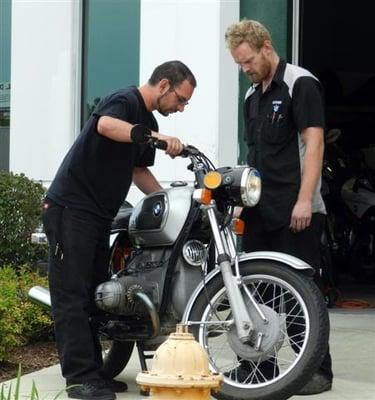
(352, 348)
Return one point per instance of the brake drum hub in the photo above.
(272, 338)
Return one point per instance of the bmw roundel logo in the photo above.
(157, 209)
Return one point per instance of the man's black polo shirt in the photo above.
(273, 121)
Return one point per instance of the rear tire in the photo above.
(218, 341)
(116, 358)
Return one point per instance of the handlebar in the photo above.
(200, 163)
(142, 135)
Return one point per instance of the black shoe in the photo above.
(91, 391)
(318, 384)
(239, 374)
(116, 386)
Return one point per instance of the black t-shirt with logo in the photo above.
(96, 174)
(273, 121)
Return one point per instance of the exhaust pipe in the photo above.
(40, 295)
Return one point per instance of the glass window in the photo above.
(5, 37)
(110, 49)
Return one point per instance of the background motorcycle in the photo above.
(350, 199)
(174, 259)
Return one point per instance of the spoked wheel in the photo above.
(284, 352)
(116, 357)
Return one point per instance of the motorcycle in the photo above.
(350, 200)
(174, 259)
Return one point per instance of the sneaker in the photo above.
(116, 386)
(318, 384)
(91, 391)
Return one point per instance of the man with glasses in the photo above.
(86, 194)
(284, 121)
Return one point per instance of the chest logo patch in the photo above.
(276, 105)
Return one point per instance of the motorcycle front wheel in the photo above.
(294, 341)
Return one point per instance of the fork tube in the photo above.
(229, 236)
(232, 246)
(242, 320)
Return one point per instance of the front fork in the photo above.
(245, 315)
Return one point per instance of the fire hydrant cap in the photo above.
(180, 362)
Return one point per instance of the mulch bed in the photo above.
(32, 357)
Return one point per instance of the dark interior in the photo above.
(337, 46)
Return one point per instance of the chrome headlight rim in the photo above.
(250, 198)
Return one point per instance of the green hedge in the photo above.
(20, 210)
(21, 321)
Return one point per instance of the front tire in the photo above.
(298, 324)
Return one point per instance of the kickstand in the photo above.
(142, 359)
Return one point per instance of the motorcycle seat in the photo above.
(121, 220)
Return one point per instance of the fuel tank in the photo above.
(159, 217)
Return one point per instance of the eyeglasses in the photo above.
(181, 99)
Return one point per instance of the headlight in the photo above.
(240, 185)
(251, 187)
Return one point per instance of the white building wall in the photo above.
(193, 31)
(45, 98)
(45, 81)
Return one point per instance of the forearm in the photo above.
(312, 163)
(144, 179)
(114, 129)
(117, 129)
(120, 131)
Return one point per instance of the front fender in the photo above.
(288, 260)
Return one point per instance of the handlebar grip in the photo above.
(142, 134)
(160, 144)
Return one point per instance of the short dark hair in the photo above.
(175, 71)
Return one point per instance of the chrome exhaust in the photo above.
(40, 295)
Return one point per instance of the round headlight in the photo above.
(251, 187)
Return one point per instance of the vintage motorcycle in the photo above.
(174, 259)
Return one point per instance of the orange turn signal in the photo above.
(212, 180)
(238, 226)
(203, 196)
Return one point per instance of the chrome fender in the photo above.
(288, 260)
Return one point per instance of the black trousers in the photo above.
(304, 245)
(79, 256)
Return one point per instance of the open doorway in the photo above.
(336, 46)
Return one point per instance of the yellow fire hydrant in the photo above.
(180, 370)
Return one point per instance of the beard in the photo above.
(263, 72)
(159, 107)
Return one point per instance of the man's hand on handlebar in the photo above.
(174, 145)
(142, 134)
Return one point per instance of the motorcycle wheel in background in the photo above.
(328, 281)
(362, 254)
(295, 340)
